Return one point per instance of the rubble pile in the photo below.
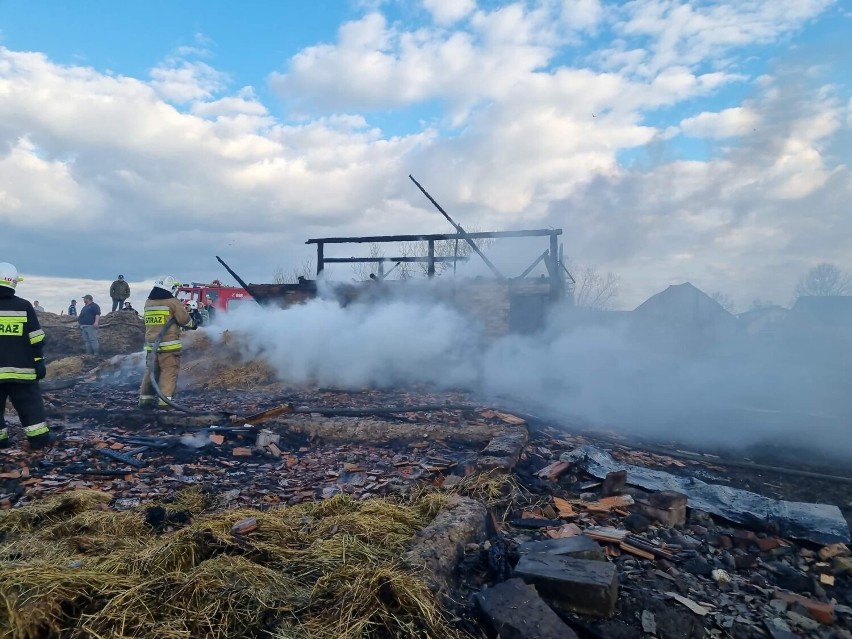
(397, 514)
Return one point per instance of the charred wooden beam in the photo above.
(376, 260)
(238, 278)
(320, 257)
(533, 265)
(556, 282)
(126, 459)
(458, 227)
(379, 239)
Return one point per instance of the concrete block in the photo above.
(514, 610)
(437, 549)
(578, 585)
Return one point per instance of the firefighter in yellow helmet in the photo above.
(21, 361)
(160, 307)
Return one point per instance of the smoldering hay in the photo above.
(604, 372)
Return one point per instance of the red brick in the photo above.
(822, 612)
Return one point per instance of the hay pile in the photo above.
(66, 367)
(70, 567)
(221, 364)
(120, 333)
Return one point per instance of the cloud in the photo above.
(374, 65)
(526, 126)
(446, 12)
(584, 15)
(35, 191)
(679, 32)
(724, 124)
(746, 221)
(183, 81)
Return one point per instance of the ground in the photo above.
(362, 450)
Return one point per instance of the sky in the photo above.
(671, 141)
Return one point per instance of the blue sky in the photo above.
(673, 140)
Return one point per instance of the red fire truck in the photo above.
(223, 298)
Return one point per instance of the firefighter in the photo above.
(195, 313)
(21, 361)
(160, 307)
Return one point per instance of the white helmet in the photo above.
(167, 283)
(193, 306)
(9, 275)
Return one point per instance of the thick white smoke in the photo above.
(396, 343)
(735, 395)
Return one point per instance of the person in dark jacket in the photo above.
(72, 309)
(211, 310)
(21, 361)
(119, 291)
(89, 320)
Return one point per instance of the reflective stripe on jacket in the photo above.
(21, 339)
(157, 315)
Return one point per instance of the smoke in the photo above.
(397, 343)
(722, 389)
(195, 440)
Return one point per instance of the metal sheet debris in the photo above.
(819, 523)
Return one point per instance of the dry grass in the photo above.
(45, 512)
(65, 367)
(216, 373)
(221, 364)
(245, 375)
(323, 570)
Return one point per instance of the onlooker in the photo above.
(211, 310)
(89, 319)
(72, 309)
(129, 308)
(38, 308)
(205, 315)
(119, 291)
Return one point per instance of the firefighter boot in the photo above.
(38, 436)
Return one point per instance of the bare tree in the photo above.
(448, 248)
(594, 289)
(724, 300)
(291, 276)
(362, 270)
(407, 270)
(824, 280)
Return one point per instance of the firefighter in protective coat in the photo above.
(21, 361)
(160, 307)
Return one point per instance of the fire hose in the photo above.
(152, 366)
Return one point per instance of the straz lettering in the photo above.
(14, 329)
(155, 320)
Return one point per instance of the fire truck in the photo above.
(223, 298)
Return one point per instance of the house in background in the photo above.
(768, 320)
